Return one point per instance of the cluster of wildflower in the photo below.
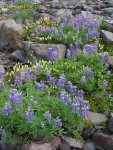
(79, 105)
(53, 55)
(56, 122)
(2, 133)
(104, 57)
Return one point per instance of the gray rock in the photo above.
(110, 61)
(76, 12)
(102, 140)
(3, 62)
(108, 11)
(19, 55)
(88, 132)
(97, 118)
(89, 146)
(73, 142)
(41, 50)
(35, 146)
(64, 145)
(107, 36)
(10, 35)
(2, 70)
(7, 146)
(110, 123)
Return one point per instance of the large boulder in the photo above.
(10, 35)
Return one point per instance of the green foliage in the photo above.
(47, 100)
(24, 13)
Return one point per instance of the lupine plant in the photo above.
(48, 107)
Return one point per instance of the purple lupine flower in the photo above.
(109, 73)
(64, 98)
(47, 115)
(72, 88)
(52, 81)
(2, 133)
(89, 73)
(29, 116)
(106, 56)
(1, 83)
(91, 48)
(40, 85)
(28, 75)
(57, 122)
(104, 83)
(17, 82)
(48, 74)
(61, 81)
(102, 59)
(68, 53)
(75, 107)
(1, 75)
(85, 110)
(80, 93)
(83, 79)
(37, 68)
(7, 110)
(54, 55)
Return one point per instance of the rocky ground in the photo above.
(95, 138)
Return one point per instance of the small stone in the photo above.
(89, 146)
(97, 118)
(35, 146)
(73, 142)
(88, 132)
(2, 70)
(76, 12)
(64, 145)
(110, 123)
(110, 61)
(55, 142)
(19, 55)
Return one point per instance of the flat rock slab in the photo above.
(97, 118)
(40, 51)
